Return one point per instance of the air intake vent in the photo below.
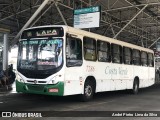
(35, 75)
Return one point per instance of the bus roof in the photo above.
(97, 36)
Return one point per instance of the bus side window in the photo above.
(73, 52)
(127, 55)
(103, 50)
(116, 53)
(143, 58)
(136, 57)
(89, 45)
(150, 60)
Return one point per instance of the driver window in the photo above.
(73, 51)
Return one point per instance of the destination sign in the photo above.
(87, 10)
(47, 32)
(43, 32)
(87, 17)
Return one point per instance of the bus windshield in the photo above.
(40, 54)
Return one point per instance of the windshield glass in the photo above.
(40, 54)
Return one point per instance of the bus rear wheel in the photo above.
(88, 91)
(135, 87)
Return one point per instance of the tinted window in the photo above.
(103, 51)
(116, 53)
(143, 58)
(136, 57)
(127, 55)
(89, 49)
(150, 60)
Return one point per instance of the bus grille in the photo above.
(36, 87)
(36, 76)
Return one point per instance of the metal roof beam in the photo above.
(72, 9)
(31, 19)
(125, 30)
(104, 21)
(60, 13)
(11, 5)
(41, 15)
(144, 12)
(133, 6)
(130, 21)
(154, 42)
(18, 13)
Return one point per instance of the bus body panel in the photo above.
(74, 79)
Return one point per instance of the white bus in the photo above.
(61, 60)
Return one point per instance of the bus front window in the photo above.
(40, 54)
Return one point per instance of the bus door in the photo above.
(74, 71)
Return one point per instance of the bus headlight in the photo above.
(53, 81)
(19, 78)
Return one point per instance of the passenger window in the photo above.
(103, 51)
(73, 52)
(116, 53)
(150, 60)
(127, 55)
(136, 57)
(143, 58)
(89, 49)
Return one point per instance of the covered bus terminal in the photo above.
(132, 21)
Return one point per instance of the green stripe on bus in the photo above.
(40, 88)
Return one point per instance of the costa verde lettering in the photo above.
(116, 71)
(111, 71)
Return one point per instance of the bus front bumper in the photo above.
(46, 89)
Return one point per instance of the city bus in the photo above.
(61, 60)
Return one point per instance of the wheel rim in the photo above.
(88, 90)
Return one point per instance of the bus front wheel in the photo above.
(88, 91)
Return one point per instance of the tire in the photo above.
(88, 91)
(135, 87)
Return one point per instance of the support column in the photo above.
(5, 52)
